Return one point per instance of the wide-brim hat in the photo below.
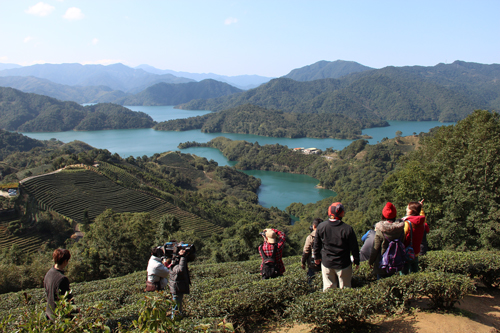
(271, 236)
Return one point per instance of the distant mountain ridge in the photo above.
(37, 113)
(78, 94)
(443, 92)
(117, 76)
(326, 70)
(244, 82)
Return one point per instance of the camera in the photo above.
(170, 247)
(311, 228)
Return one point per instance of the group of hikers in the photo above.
(393, 246)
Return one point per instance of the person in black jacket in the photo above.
(56, 284)
(179, 280)
(334, 243)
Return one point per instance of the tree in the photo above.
(167, 225)
(115, 244)
(398, 134)
(457, 171)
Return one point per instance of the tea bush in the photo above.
(339, 308)
(483, 265)
(235, 292)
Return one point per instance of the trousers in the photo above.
(333, 277)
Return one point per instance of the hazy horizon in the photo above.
(248, 37)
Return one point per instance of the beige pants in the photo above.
(331, 275)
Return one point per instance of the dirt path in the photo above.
(478, 313)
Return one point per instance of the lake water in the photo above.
(277, 189)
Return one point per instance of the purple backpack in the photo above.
(394, 257)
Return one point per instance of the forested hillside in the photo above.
(14, 142)
(455, 169)
(36, 113)
(173, 94)
(251, 119)
(326, 70)
(391, 93)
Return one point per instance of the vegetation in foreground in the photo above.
(233, 293)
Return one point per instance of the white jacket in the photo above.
(157, 272)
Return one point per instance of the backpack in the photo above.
(269, 265)
(394, 257)
(410, 253)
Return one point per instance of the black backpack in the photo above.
(269, 265)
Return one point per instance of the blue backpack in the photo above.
(394, 257)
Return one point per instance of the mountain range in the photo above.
(445, 92)
(243, 82)
(116, 77)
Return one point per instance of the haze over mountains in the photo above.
(239, 81)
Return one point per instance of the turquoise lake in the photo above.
(277, 189)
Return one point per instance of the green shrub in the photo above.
(339, 308)
(247, 299)
(336, 308)
(482, 265)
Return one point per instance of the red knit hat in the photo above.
(389, 211)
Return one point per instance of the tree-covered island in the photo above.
(251, 119)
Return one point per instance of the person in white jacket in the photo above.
(157, 270)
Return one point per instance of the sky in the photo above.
(268, 38)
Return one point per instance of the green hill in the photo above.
(173, 94)
(443, 93)
(70, 193)
(326, 70)
(36, 113)
(12, 142)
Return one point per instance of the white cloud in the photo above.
(3, 59)
(95, 41)
(40, 9)
(73, 13)
(230, 20)
(27, 39)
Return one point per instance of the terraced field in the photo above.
(69, 193)
(29, 242)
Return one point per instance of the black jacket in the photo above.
(179, 280)
(334, 243)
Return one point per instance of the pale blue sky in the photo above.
(268, 38)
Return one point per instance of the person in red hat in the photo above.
(386, 230)
(334, 243)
